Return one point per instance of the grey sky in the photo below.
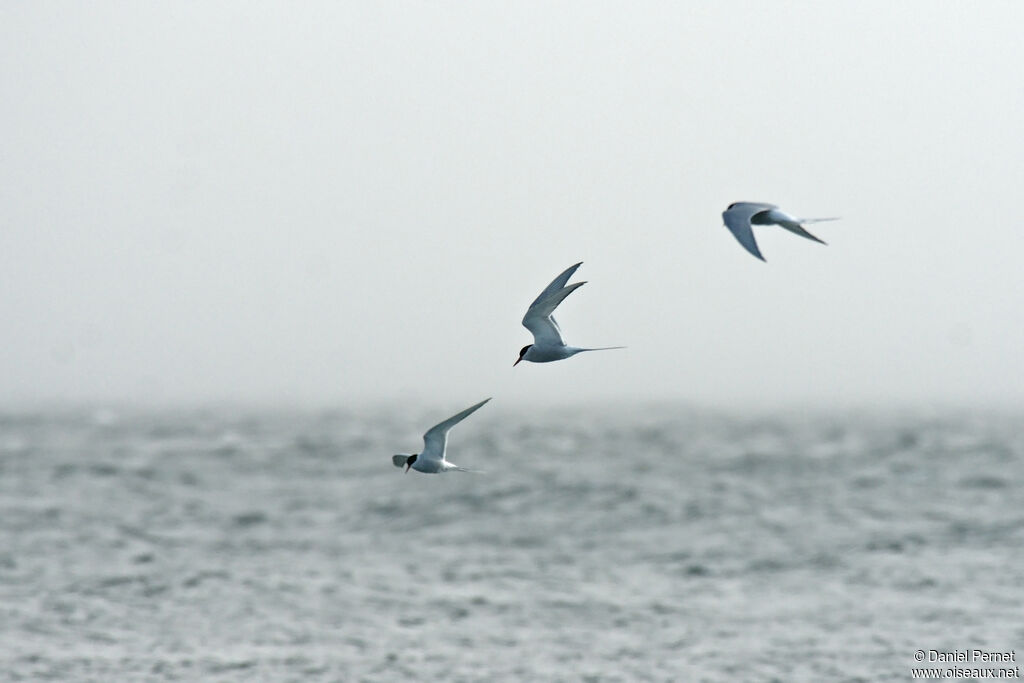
(331, 202)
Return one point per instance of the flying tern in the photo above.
(435, 442)
(740, 216)
(547, 336)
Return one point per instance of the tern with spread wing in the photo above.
(740, 216)
(547, 336)
(435, 443)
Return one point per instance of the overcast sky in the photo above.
(332, 202)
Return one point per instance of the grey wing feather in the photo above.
(799, 230)
(737, 218)
(557, 284)
(437, 436)
(539, 320)
(399, 460)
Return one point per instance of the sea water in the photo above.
(661, 543)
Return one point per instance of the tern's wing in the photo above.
(799, 230)
(399, 460)
(436, 438)
(539, 321)
(556, 284)
(737, 219)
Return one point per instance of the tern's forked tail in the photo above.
(818, 220)
(605, 348)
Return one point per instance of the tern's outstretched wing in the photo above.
(399, 460)
(556, 284)
(737, 218)
(800, 230)
(541, 323)
(539, 319)
(436, 438)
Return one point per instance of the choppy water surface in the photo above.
(660, 545)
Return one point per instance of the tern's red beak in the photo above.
(407, 466)
(517, 362)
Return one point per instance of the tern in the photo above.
(547, 336)
(435, 442)
(741, 215)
